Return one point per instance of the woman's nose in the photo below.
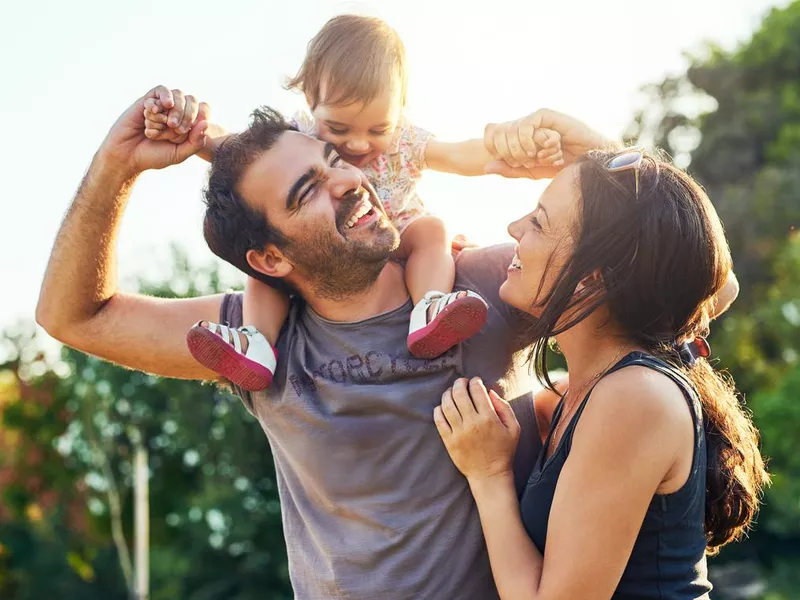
(514, 229)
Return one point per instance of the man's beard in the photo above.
(336, 267)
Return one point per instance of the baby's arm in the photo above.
(157, 126)
(471, 157)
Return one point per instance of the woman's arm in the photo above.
(624, 446)
(516, 562)
(508, 143)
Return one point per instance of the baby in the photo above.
(354, 81)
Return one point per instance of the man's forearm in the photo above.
(81, 275)
(79, 303)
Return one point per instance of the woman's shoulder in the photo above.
(638, 419)
(638, 401)
(635, 428)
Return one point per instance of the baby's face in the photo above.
(360, 132)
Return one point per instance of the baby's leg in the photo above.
(265, 308)
(440, 319)
(429, 267)
(245, 356)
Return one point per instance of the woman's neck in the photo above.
(592, 347)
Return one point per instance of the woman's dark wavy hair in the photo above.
(661, 258)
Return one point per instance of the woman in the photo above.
(649, 461)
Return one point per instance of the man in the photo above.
(372, 506)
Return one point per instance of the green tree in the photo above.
(215, 517)
(734, 119)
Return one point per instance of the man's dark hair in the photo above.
(231, 227)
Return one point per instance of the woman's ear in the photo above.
(593, 281)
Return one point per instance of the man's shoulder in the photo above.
(497, 254)
(483, 268)
(230, 311)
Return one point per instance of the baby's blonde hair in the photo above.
(356, 57)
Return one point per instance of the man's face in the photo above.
(339, 235)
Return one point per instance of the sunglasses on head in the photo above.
(627, 160)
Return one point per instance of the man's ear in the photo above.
(270, 262)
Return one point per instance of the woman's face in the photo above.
(547, 231)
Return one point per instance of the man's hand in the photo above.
(167, 123)
(128, 150)
(80, 303)
(157, 126)
(513, 144)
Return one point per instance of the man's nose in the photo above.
(344, 181)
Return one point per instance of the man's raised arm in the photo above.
(79, 303)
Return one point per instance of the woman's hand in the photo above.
(512, 143)
(479, 430)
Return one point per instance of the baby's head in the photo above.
(354, 80)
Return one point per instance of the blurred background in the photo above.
(714, 82)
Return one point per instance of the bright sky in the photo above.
(70, 68)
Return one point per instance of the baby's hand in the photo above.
(156, 125)
(533, 151)
(548, 144)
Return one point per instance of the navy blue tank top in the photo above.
(668, 559)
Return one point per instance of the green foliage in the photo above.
(734, 118)
(215, 527)
(68, 430)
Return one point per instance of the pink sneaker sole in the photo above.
(458, 321)
(214, 353)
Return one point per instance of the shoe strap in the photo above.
(258, 347)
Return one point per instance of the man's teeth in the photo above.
(362, 210)
(516, 263)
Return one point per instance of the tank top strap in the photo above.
(642, 359)
(676, 375)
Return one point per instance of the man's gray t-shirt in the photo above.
(372, 505)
